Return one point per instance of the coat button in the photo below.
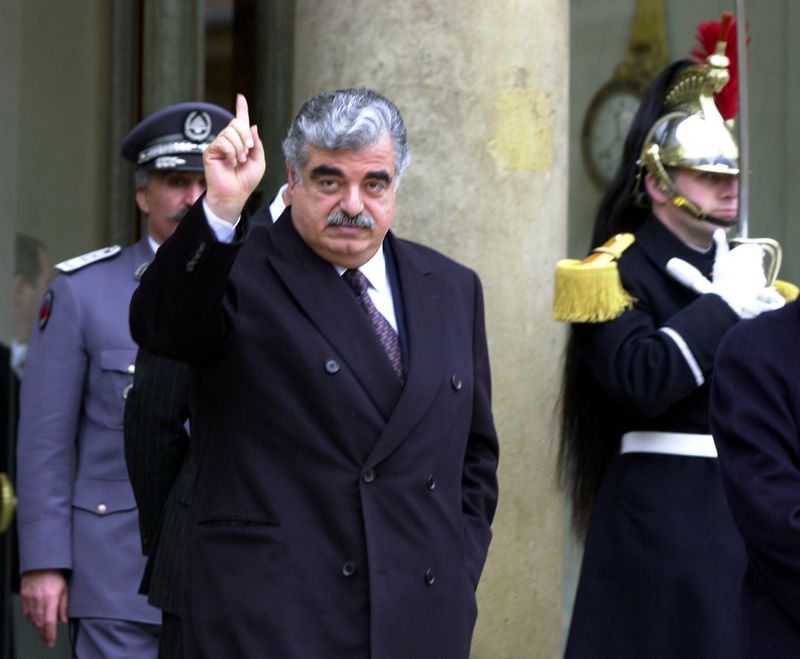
(369, 475)
(332, 365)
(131, 368)
(431, 482)
(102, 509)
(126, 391)
(349, 569)
(430, 576)
(456, 383)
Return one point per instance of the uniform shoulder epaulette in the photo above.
(590, 291)
(77, 262)
(788, 290)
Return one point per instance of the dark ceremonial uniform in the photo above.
(76, 510)
(755, 407)
(663, 562)
(336, 513)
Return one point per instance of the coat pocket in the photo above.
(103, 497)
(116, 371)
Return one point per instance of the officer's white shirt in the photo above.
(19, 353)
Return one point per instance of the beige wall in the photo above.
(61, 108)
(53, 61)
(482, 87)
(10, 44)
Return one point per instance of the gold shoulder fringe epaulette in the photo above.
(787, 289)
(590, 291)
(77, 262)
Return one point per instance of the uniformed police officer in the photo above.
(80, 553)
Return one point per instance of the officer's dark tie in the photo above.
(384, 331)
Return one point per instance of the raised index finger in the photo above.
(243, 115)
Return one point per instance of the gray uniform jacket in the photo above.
(76, 506)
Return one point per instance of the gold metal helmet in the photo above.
(692, 133)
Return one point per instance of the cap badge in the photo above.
(197, 126)
(168, 162)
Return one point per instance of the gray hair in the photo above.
(346, 119)
(142, 178)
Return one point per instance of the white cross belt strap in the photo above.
(673, 443)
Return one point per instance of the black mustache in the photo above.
(341, 219)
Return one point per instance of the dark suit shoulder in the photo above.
(432, 257)
(765, 330)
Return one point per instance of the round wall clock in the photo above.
(614, 105)
(606, 125)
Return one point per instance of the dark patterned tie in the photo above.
(384, 331)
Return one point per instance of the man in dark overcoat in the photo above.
(755, 412)
(339, 401)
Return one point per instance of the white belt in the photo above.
(675, 443)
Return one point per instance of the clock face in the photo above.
(605, 128)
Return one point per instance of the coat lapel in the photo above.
(424, 303)
(330, 305)
(142, 256)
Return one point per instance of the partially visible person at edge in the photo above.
(32, 272)
(340, 401)
(663, 562)
(80, 556)
(161, 469)
(755, 421)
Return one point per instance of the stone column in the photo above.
(483, 90)
(122, 98)
(172, 58)
(173, 52)
(274, 76)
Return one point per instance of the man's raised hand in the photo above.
(234, 164)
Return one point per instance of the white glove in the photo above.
(738, 278)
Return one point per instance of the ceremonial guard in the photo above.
(80, 552)
(663, 561)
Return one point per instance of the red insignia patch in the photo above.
(46, 309)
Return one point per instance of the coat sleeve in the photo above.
(755, 402)
(178, 310)
(479, 479)
(50, 404)
(648, 366)
(156, 440)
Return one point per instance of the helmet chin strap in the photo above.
(694, 210)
